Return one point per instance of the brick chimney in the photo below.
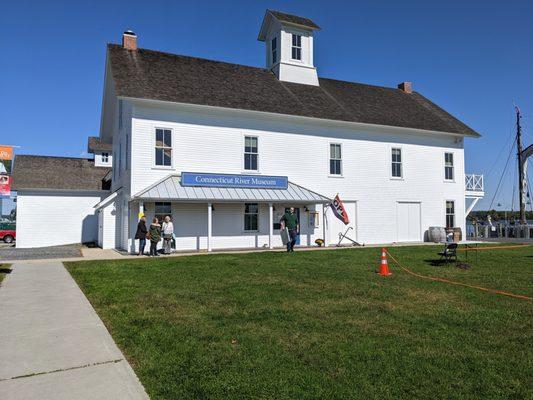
(129, 40)
(406, 87)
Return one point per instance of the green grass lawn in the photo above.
(319, 325)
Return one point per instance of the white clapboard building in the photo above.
(224, 149)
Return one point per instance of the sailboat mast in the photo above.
(521, 177)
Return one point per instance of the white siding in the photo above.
(107, 226)
(211, 141)
(46, 218)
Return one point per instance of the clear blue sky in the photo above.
(473, 58)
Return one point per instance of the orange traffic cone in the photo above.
(384, 268)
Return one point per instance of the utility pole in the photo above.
(521, 177)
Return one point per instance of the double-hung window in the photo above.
(251, 153)
(448, 166)
(163, 147)
(450, 214)
(162, 209)
(251, 217)
(296, 47)
(105, 158)
(335, 159)
(396, 165)
(274, 48)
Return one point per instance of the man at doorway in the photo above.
(290, 221)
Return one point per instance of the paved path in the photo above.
(53, 345)
(14, 253)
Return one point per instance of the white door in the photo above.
(336, 227)
(408, 222)
(100, 228)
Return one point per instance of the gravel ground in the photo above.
(12, 253)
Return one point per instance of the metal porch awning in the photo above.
(170, 189)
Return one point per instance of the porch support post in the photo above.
(209, 225)
(324, 229)
(270, 225)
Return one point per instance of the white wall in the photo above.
(52, 218)
(208, 140)
(107, 226)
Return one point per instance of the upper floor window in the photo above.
(450, 214)
(335, 159)
(274, 47)
(448, 166)
(120, 114)
(119, 158)
(163, 147)
(396, 163)
(251, 217)
(105, 157)
(251, 153)
(296, 47)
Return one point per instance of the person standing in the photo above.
(141, 234)
(155, 237)
(168, 231)
(290, 221)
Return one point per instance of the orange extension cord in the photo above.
(431, 278)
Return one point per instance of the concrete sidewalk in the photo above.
(53, 345)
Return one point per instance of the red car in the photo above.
(8, 235)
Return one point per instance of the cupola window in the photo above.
(296, 47)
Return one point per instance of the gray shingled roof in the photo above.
(170, 189)
(148, 74)
(95, 144)
(293, 19)
(43, 172)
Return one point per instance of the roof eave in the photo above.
(403, 129)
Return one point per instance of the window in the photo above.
(250, 153)
(448, 166)
(162, 209)
(251, 217)
(119, 158)
(163, 147)
(450, 214)
(105, 157)
(127, 152)
(296, 47)
(120, 114)
(274, 47)
(335, 159)
(396, 163)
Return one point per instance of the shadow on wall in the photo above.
(89, 229)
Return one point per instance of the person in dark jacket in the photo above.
(141, 234)
(155, 237)
(290, 221)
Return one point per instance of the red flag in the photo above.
(339, 211)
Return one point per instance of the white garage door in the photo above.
(336, 226)
(408, 223)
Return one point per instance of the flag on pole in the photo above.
(6, 161)
(338, 210)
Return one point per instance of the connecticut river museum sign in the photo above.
(234, 181)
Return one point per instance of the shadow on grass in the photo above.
(438, 262)
(5, 270)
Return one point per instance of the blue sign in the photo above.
(234, 181)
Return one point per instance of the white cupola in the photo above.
(289, 47)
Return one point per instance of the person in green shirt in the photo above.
(290, 221)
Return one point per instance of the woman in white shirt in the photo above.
(168, 230)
